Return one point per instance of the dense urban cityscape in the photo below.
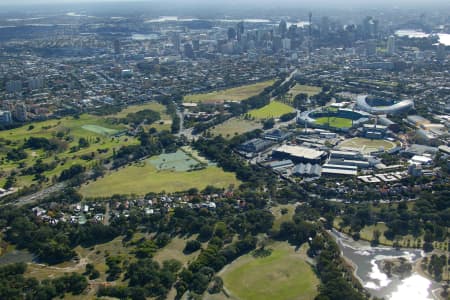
(224, 151)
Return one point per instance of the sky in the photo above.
(256, 2)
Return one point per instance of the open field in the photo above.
(67, 132)
(234, 94)
(367, 234)
(178, 162)
(279, 217)
(305, 89)
(99, 129)
(367, 145)
(174, 250)
(283, 275)
(235, 126)
(335, 122)
(71, 125)
(274, 109)
(94, 255)
(143, 177)
(163, 124)
(135, 108)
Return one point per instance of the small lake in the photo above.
(365, 258)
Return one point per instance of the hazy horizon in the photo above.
(279, 3)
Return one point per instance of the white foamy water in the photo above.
(366, 259)
(414, 287)
(379, 279)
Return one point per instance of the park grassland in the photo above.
(139, 107)
(140, 179)
(233, 94)
(283, 275)
(305, 89)
(97, 130)
(163, 124)
(335, 122)
(235, 126)
(274, 109)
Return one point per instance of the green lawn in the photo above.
(174, 250)
(96, 130)
(283, 275)
(135, 108)
(335, 122)
(305, 89)
(234, 126)
(279, 217)
(144, 178)
(274, 109)
(163, 124)
(234, 94)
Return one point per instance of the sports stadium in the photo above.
(381, 106)
(338, 119)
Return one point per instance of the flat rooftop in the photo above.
(299, 151)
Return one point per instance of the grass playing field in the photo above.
(178, 161)
(283, 275)
(235, 126)
(274, 109)
(335, 122)
(234, 94)
(367, 145)
(306, 89)
(143, 177)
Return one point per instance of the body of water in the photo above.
(144, 37)
(170, 19)
(366, 258)
(444, 38)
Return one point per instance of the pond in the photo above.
(368, 260)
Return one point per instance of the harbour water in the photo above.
(366, 260)
(444, 38)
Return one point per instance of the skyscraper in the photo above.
(391, 45)
(440, 52)
(282, 28)
(116, 47)
(231, 33)
(188, 50)
(240, 30)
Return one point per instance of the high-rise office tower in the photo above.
(282, 28)
(240, 30)
(391, 45)
(231, 33)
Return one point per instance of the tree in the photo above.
(83, 143)
(192, 246)
(269, 123)
(10, 182)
